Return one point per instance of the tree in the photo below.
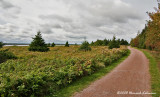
(48, 45)
(67, 44)
(38, 44)
(1, 44)
(53, 44)
(105, 42)
(98, 42)
(85, 46)
(114, 43)
(123, 42)
(92, 43)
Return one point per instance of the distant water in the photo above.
(16, 45)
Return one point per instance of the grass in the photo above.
(87, 80)
(155, 74)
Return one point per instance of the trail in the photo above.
(131, 76)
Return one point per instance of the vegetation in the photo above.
(155, 74)
(5, 55)
(38, 44)
(82, 83)
(67, 44)
(85, 46)
(53, 44)
(48, 45)
(114, 43)
(150, 36)
(1, 44)
(44, 73)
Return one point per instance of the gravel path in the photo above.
(130, 77)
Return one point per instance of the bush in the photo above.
(47, 80)
(53, 44)
(67, 45)
(38, 44)
(5, 55)
(85, 46)
(1, 44)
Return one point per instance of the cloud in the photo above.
(72, 20)
(5, 4)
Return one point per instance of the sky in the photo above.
(72, 20)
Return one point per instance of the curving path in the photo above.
(130, 77)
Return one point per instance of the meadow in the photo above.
(44, 73)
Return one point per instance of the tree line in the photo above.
(149, 37)
(38, 44)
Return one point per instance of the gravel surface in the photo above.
(130, 77)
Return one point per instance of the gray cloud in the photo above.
(72, 20)
(5, 4)
(55, 17)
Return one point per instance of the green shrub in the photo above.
(5, 55)
(1, 44)
(85, 46)
(53, 44)
(38, 44)
(47, 80)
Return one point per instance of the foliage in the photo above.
(123, 42)
(114, 43)
(49, 45)
(5, 55)
(38, 44)
(67, 44)
(106, 42)
(53, 44)
(1, 44)
(98, 43)
(41, 74)
(150, 35)
(85, 46)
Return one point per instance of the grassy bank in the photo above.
(87, 80)
(155, 74)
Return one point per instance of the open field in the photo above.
(42, 73)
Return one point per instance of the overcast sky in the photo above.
(72, 20)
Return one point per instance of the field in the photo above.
(43, 73)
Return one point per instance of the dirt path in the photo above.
(131, 76)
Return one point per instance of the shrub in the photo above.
(48, 45)
(1, 44)
(85, 46)
(53, 44)
(5, 55)
(38, 44)
(67, 45)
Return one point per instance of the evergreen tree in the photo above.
(1, 44)
(38, 44)
(92, 43)
(105, 42)
(67, 44)
(114, 43)
(53, 44)
(98, 42)
(85, 46)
